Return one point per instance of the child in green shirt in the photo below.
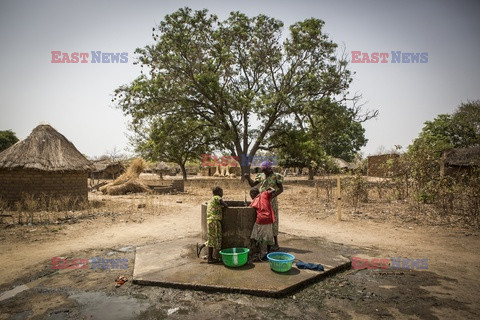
(214, 224)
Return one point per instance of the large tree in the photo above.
(7, 139)
(236, 76)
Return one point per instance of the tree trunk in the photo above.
(300, 171)
(184, 170)
(245, 169)
(311, 173)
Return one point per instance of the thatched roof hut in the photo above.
(462, 157)
(105, 169)
(459, 159)
(44, 163)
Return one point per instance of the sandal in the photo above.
(214, 261)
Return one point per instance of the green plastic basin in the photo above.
(234, 257)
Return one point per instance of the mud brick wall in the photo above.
(16, 183)
(378, 167)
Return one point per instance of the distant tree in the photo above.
(332, 131)
(297, 149)
(461, 129)
(466, 125)
(237, 76)
(437, 135)
(7, 139)
(172, 139)
(115, 155)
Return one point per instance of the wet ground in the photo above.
(92, 294)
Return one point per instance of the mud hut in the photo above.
(45, 163)
(383, 165)
(458, 161)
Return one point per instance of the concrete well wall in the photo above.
(237, 224)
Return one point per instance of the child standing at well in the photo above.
(214, 224)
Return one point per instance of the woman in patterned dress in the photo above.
(269, 179)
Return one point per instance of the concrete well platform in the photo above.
(175, 264)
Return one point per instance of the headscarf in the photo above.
(265, 165)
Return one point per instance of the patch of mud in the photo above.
(386, 294)
(98, 305)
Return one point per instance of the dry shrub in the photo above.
(357, 190)
(459, 195)
(453, 195)
(44, 207)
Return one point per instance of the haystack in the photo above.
(45, 163)
(128, 182)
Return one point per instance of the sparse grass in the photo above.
(45, 208)
(296, 199)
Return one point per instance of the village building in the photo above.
(458, 161)
(44, 164)
(384, 165)
(106, 169)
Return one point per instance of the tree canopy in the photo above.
(7, 139)
(240, 78)
(458, 130)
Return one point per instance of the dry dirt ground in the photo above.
(114, 226)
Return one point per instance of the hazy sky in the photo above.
(76, 98)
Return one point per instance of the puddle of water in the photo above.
(172, 311)
(97, 305)
(11, 293)
(126, 249)
(387, 287)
